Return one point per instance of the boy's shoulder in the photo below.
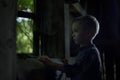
(88, 50)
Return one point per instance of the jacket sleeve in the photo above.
(82, 64)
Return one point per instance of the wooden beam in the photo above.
(77, 8)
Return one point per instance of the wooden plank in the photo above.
(76, 8)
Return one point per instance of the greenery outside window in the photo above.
(25, 27)
(24, 35)
(26, 5)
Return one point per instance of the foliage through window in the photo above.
(24, 35)
(24, 42)
(26, 5)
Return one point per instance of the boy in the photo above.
(88, 64)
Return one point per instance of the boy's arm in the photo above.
(68, 69)
(46, 60)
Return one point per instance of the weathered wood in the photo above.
(53, 28)
(7, 39)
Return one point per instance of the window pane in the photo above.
(26, 5)
(24, 35)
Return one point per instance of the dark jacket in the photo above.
(87, 65)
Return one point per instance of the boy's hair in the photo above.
(88, 22)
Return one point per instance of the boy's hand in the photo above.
(47, 61)
(44, 59)
(65, 61)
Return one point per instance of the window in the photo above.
(24, 35)
(27, 29)
(26, 5)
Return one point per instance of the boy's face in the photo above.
(78, 34)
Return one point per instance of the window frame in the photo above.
(36, 17)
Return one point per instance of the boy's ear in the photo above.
(87, 32)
